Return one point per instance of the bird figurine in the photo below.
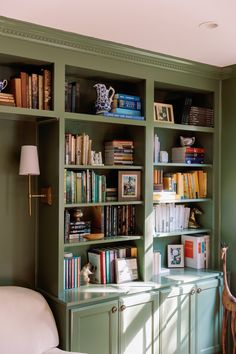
(187, 141)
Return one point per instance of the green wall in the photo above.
(17, 235)
(228, 178)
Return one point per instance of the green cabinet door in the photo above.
(138, 324)
(176, 308)
(94, 329)
(208, 316)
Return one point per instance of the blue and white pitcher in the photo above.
(104, 98)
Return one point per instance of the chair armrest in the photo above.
(59, 351)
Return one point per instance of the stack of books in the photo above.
(72, 265)
(201, 116)
(111, 194)
(7, 99)
(119, 152)
(74, 230)
(188, 154)
(126, 106)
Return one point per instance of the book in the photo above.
(196, 250)
(128, 104)
(120, 115)
(47, 89)
(128, 112)
(126, 269)
(16, 90)
(122, 96)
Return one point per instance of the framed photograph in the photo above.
(163, 112)
(175, 256)
(129, 185)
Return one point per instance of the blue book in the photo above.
(117, 115)
(128, 104)
(129, 112)
(122, 96)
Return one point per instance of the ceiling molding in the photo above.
(58, 38)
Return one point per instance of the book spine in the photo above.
(127, 104)
(129, 112)
(122, 96)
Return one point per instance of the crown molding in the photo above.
(58, 38)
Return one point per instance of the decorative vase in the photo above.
(104, 98)
(3, 84)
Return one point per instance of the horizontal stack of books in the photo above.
(201, 116)
(74, 230)
(111, 194)
(7, 99)
(119, 152)
(125, 106)
(188, 154)
(72, 266)
(103, 261)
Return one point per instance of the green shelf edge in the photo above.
(105, 240)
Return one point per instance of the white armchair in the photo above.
(27, 325)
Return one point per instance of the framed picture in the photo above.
(129, 185)
(163, 112)
(175, 256)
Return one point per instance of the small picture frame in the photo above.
(175, 256)
(129, 185)
(163, 112)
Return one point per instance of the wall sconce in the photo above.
(29, 166)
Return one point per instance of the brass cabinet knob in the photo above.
(192, 292)
(122, 308)
(114, 309)
(199, 290)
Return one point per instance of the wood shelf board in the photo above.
(182, 232)
(103, 167)
(75, 205)
(175, 164)
(192, 128)
(103, 119)
(104, 240)
(183, 201)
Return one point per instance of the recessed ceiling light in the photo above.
(208, 25)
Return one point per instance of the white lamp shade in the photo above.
(29, 162)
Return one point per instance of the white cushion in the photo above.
(27, 325)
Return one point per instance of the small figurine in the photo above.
(86, 272)
(187, 141)
(192, 224)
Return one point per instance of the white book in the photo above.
(196, 250)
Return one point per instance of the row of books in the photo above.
(72, 266)
(84, 187)
(72, 96)
(186, 185)
(119, 152)
(33, 90)
(78, 149)
(119, 220)
(103, 262)
(170, 217)
(196, 250)
(188, 154)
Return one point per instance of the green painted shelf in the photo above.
(175, 164)
(192, 128)
(182, 232)
(102, 119)
(183, 201)
(104, 240)
(102, 167)
(75, 205)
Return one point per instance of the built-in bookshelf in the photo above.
(180, 174)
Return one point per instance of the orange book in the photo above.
(16, 90)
